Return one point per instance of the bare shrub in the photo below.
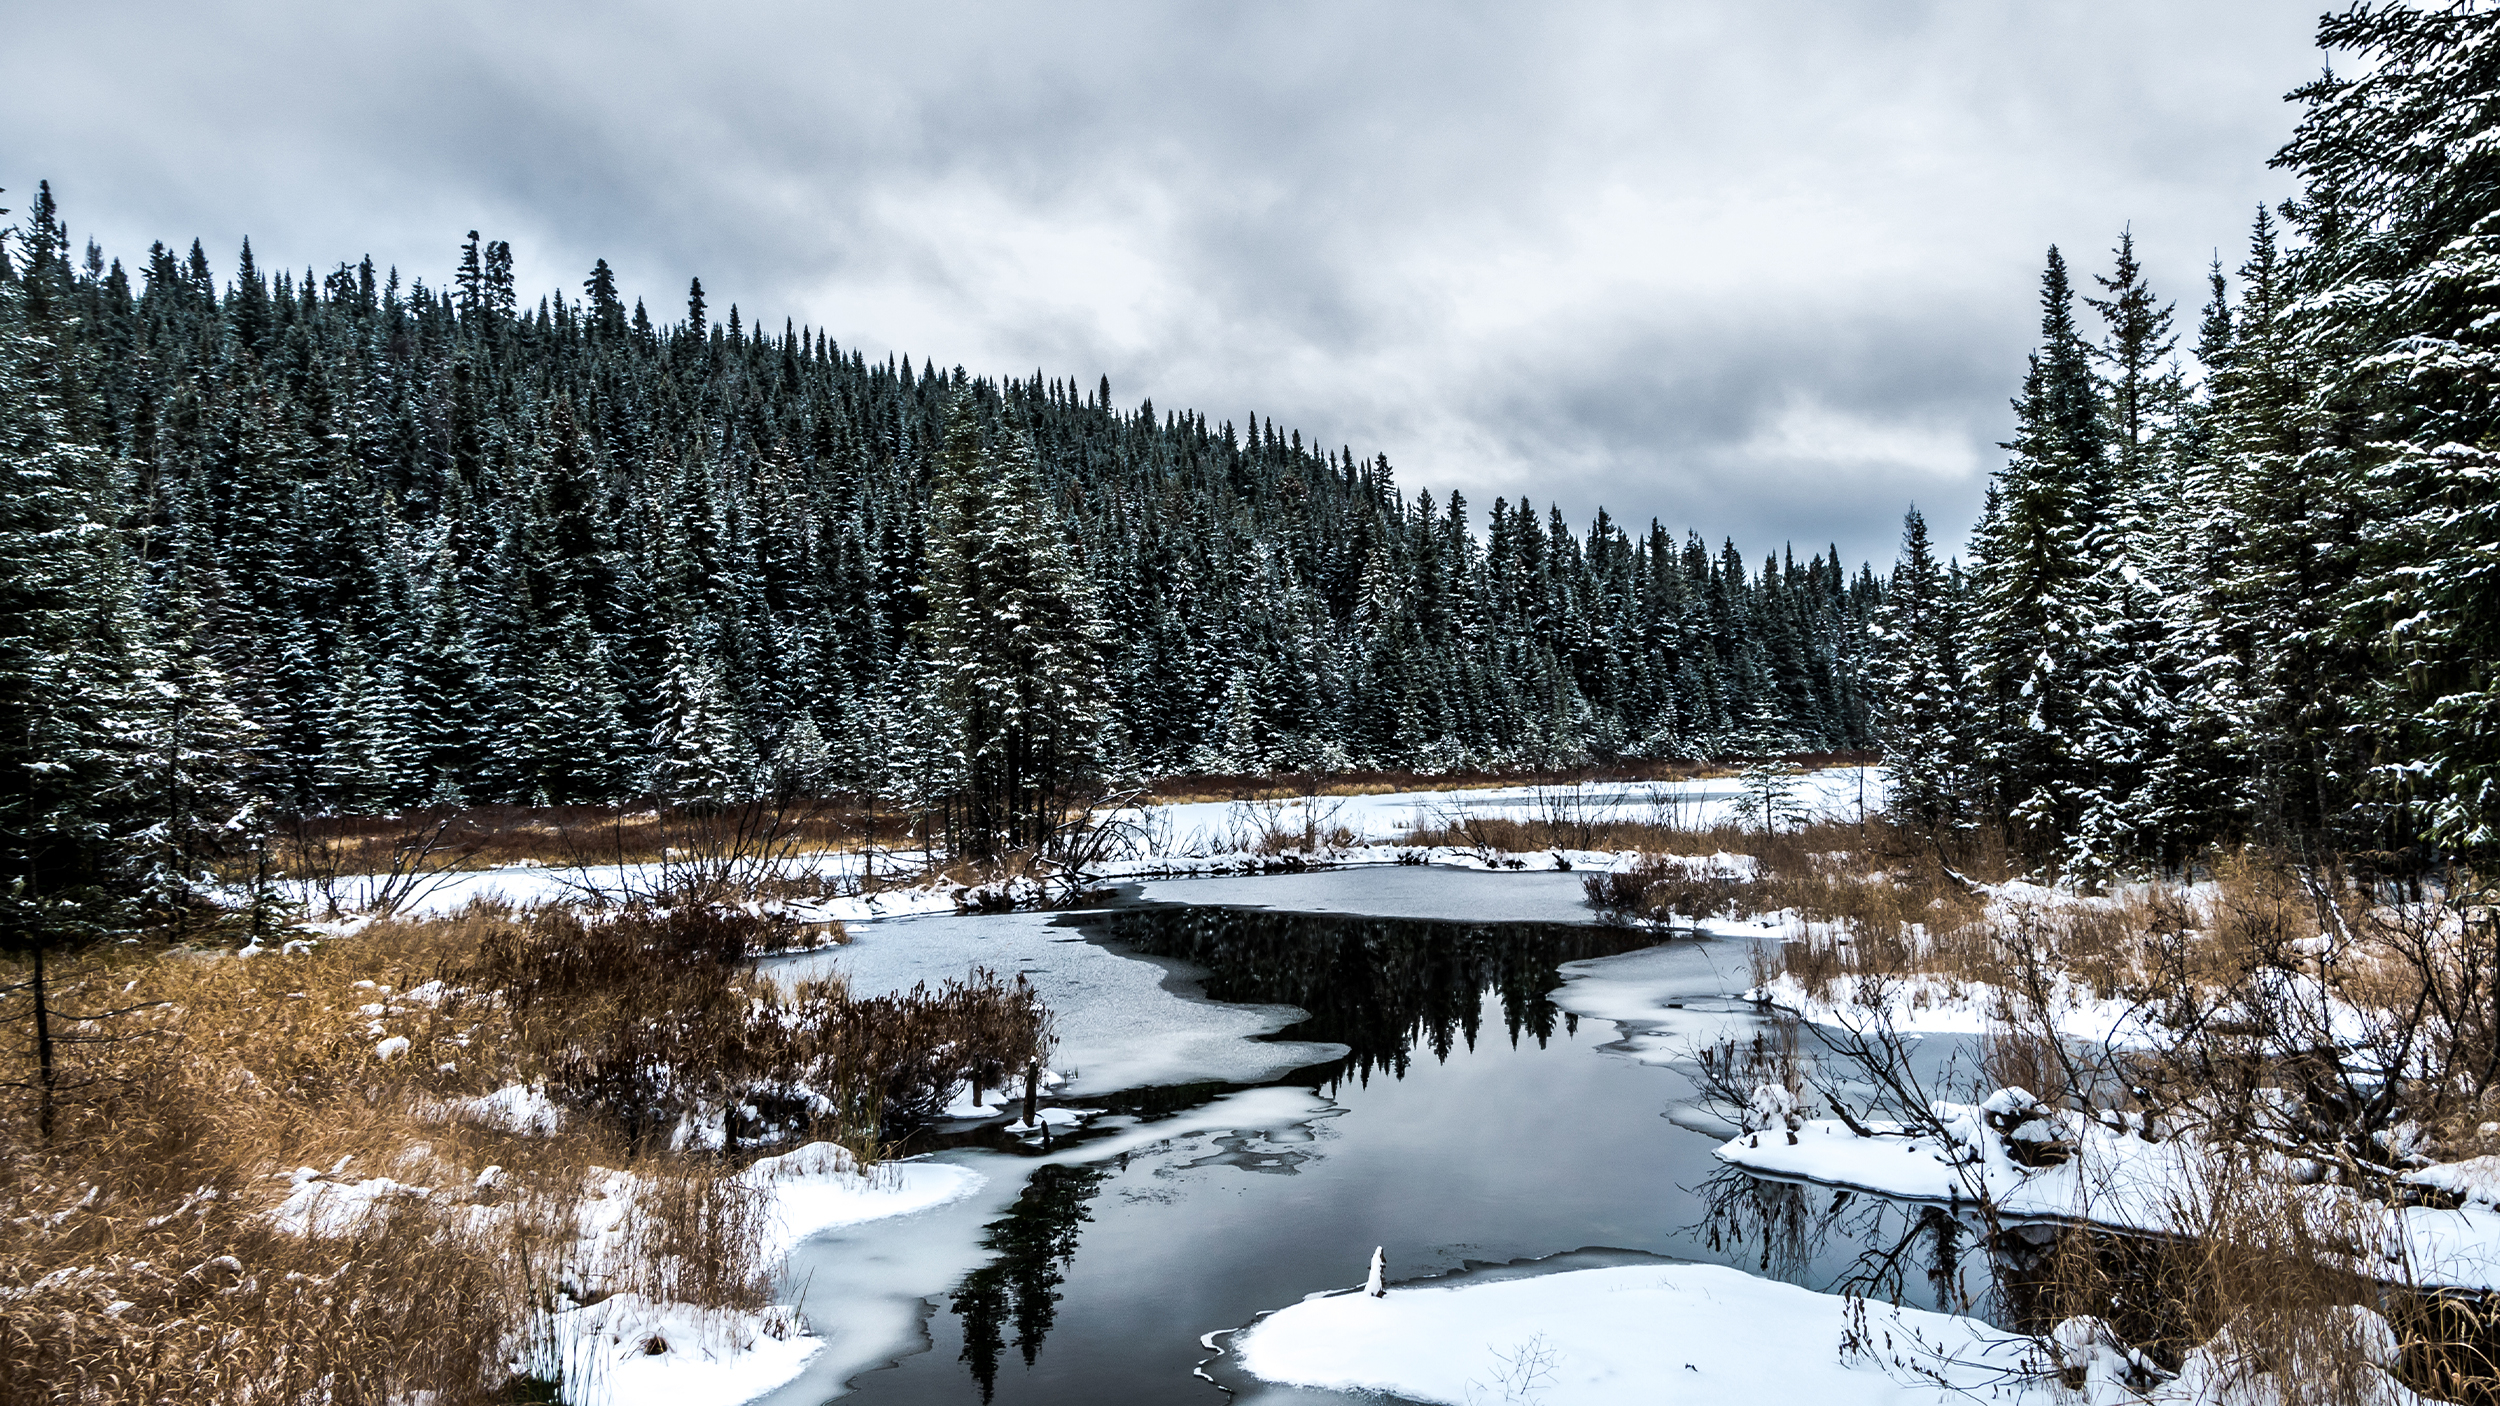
(1661, 889)
(1287, 822)
(2268, 1294)
(650, 1020)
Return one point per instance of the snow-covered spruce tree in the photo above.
(1014, 647)
(2289, 556)
(1767, 785)
(803, 762)
(69, 634)
(1921, 710)
(2132, 674)
(365, 762)
(2399, 446)
(2196, 789)
(2033, 585)
(187, 787)
(451, 703)
(701, 758)
(574, 726)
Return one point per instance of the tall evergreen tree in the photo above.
(1923, 713)
(2033, 581)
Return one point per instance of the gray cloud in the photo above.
(1763, 270)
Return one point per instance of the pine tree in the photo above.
(365, 763)
(2400, 294)
(606, 308)
(2032, 582)
(187, 787)
(1919, 681)
(69, 634)
(574, 735)
(2134, 677)
(1013, 644)
(701, 756)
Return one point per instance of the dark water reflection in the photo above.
(1476, 1124)
(1380, 986)
(1898, 1251)
(1034, 1244)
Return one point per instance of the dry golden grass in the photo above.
(139, 1261)
(2275, 987)
(2266, 1293)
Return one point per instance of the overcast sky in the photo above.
(1765, 268)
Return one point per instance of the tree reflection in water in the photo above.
(1791, 1226)
(1380, 986)
(1034, 1244)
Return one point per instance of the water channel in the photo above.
(1499, 1093)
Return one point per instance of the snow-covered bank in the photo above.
(1935, 1005)
(2120, 1179)
(1196, 838)
(1207, 827)
(626, 1350)
(1700, 1334)
(1598, 1337)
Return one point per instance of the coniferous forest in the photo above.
(2263, 602)
(343, 542)
(404, 545)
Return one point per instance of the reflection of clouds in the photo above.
(1589, 250)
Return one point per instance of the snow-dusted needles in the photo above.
(1372, 1285)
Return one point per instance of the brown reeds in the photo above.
(2265, 1292)
(274, 1177)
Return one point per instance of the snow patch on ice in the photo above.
(1595, 1337)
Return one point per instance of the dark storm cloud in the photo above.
(1765, 270)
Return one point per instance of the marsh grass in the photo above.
(2278, 1295)
(489, 837)
(2270, 994)
(139, 1256)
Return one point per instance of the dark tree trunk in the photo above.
(43, 1052)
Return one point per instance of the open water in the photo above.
(1474, 1124)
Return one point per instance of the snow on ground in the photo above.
(607, 1349)
(1936, 1005)
(1212, 827)
(328, 1204)
(1198, 837)
(820, 1187)
(1713, 1336)
(1597, 1337)
(1543, 895)
(627, 1350)
(2119, 1179)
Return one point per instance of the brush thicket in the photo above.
(140, 1261)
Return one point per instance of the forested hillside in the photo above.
(2258, 599)
(441, 545)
